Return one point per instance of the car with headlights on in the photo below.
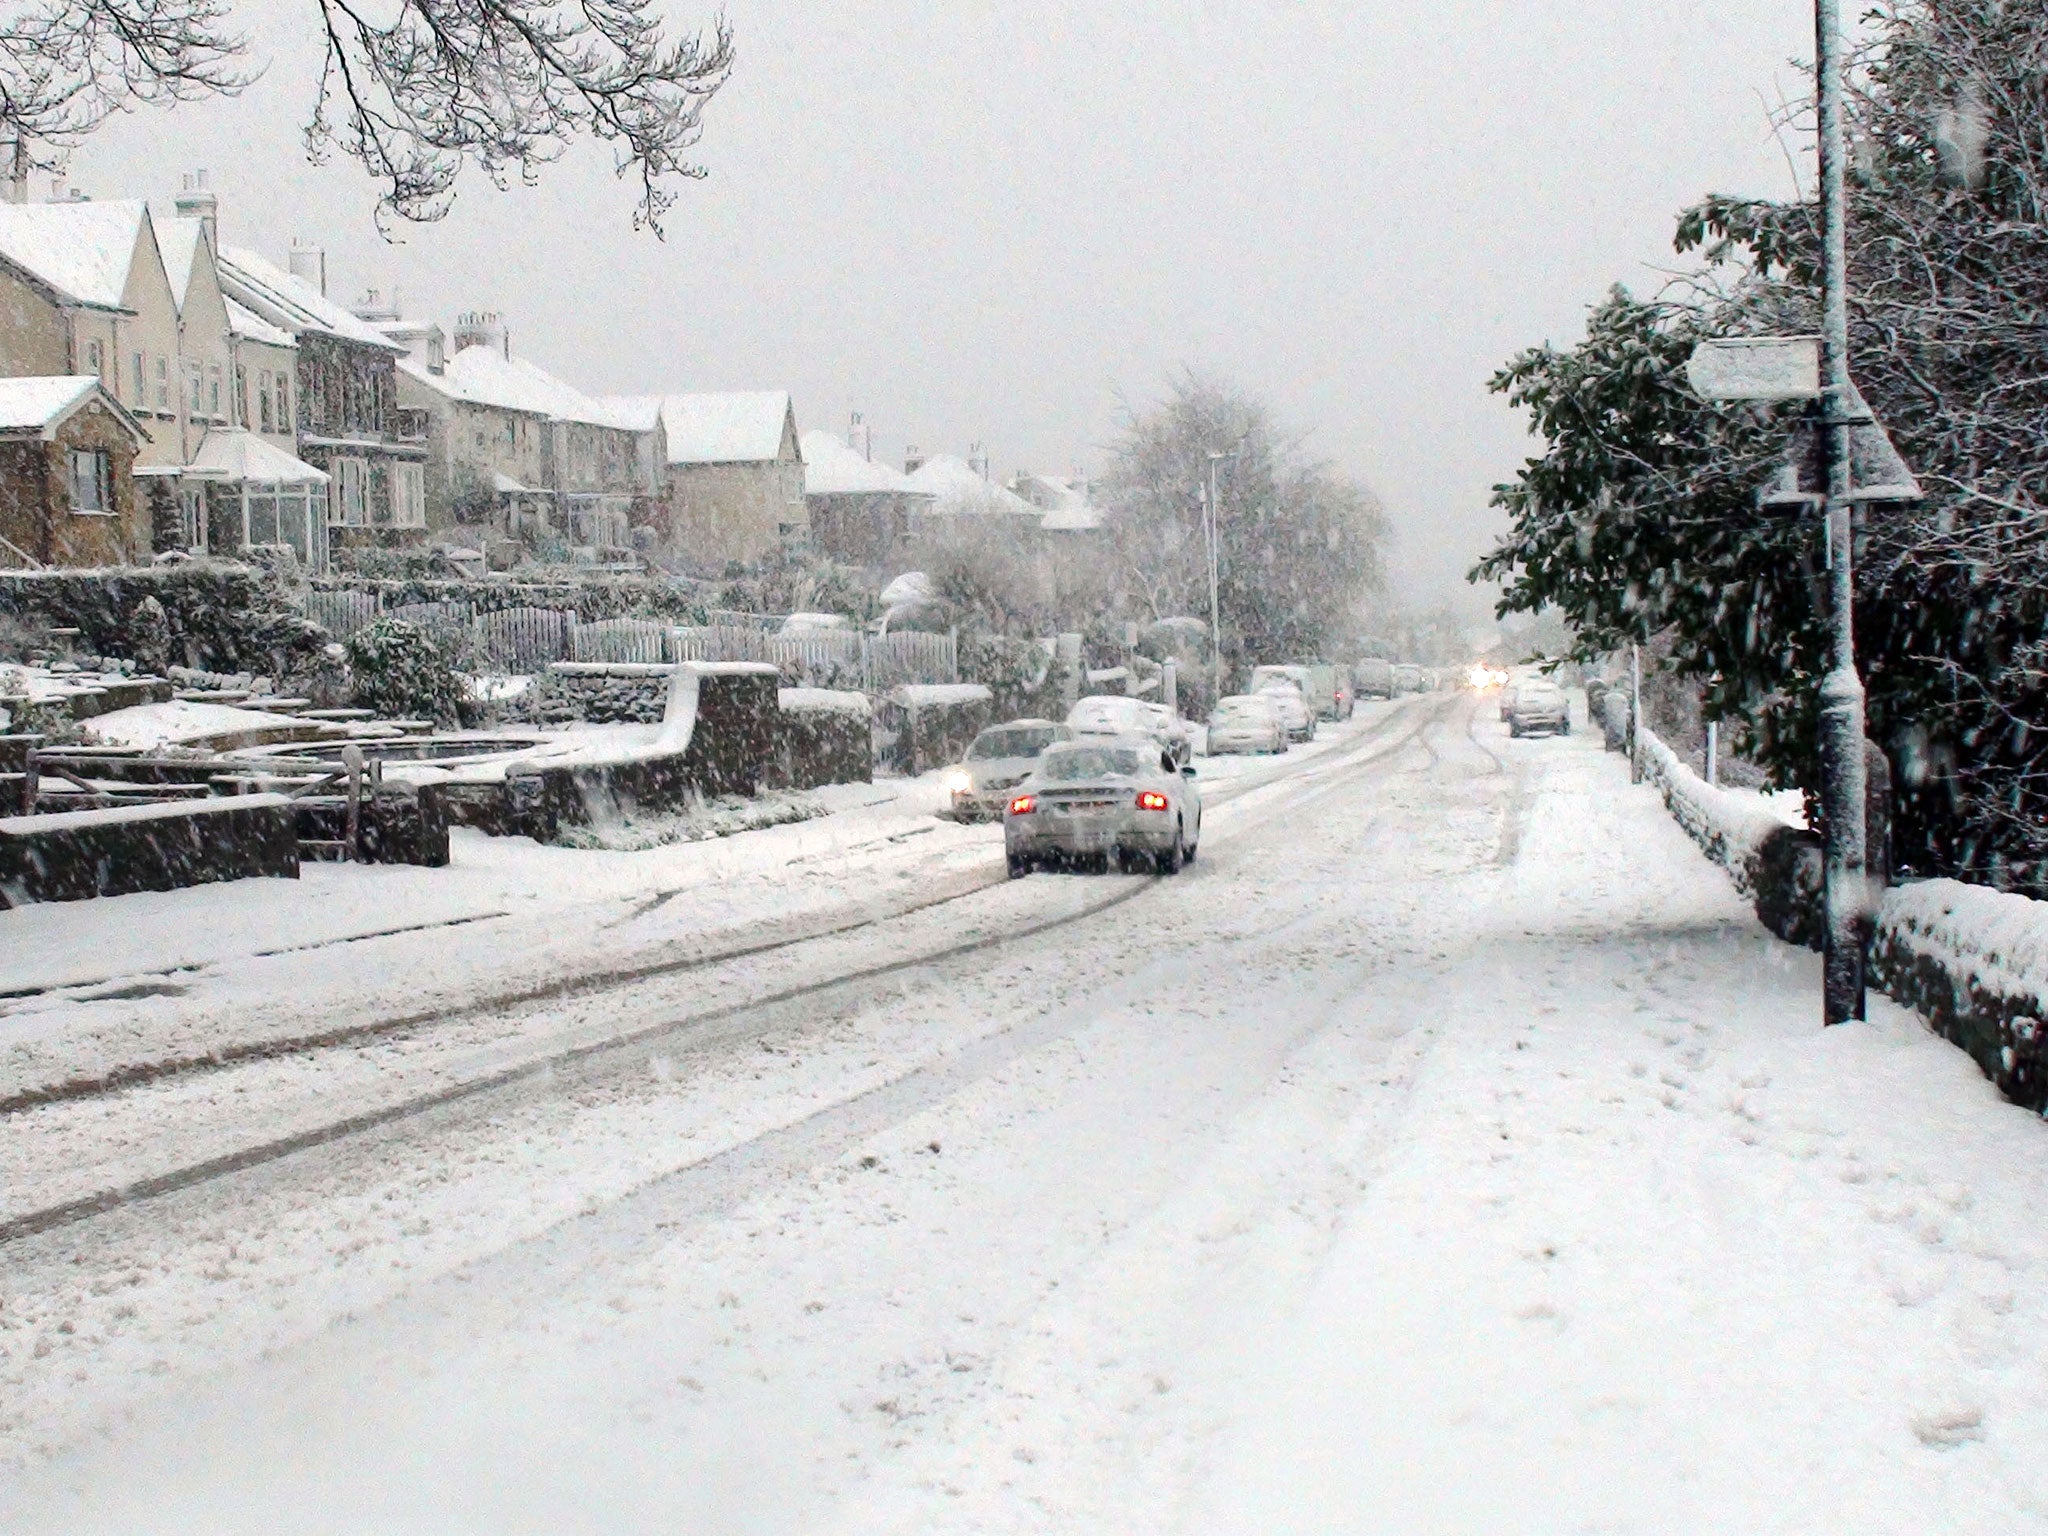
(1115, 714)
(997, 761)
(1246, 722)
(1101, 800)
(1540, 705)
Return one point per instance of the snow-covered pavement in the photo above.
(1446, 1150)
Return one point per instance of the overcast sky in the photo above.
(994, 222)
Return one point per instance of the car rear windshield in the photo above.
(1238, 711)
(1095, 714)
(1012, 741)
(1074, 764)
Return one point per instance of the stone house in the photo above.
(862, 512)
(68, 493)
(520, 460)
(733, 483)
(343, 401)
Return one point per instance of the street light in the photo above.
(1840, 457)
(1843, 787)
(1216, 456)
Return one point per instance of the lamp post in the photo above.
(1841, 691)
(1216, 456)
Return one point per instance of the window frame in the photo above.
(100, 478)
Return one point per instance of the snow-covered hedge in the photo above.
(1974, 963)
(1775, 864)
(822, 737)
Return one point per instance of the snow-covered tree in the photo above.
(1299, 545)
(1640, 516)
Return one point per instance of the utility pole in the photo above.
(1215, 602)
(1841, 692)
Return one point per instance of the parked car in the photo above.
(1292, 708)
(1408, 678)
(1374, 678)
(1320, 697)
(1246, 722)
(1540, 705)
(1111, 714)
(1104, 799)
(997, 761)
(1332, 684)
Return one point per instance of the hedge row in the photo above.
(213, 615)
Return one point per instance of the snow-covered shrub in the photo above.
(397, 669)
(822, 737)
(1023, 678)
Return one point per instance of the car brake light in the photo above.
(1151, 800)
(1023, 805)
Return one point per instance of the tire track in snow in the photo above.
(1356, 755)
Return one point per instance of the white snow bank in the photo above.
(1993, 939)
(824, 701)
(186, 723)
(932, 695)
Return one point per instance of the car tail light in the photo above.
(1151, 800)
(1023, 805)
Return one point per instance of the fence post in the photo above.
(31, 786)
(1635, 714)
(352, 760)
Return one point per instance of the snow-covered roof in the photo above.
(482, 375)
(250, 326)
(1064, 504)
(177, 240)
(82, 250)
(239, 455)
(833, 469)
(291, 302)
(635, 413)
(744, 428)
(37, 407)
(956, 488)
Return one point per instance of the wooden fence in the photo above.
(524, 640)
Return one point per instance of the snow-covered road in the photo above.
(1446, 1150)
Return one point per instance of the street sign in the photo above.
(1756, 368)
(1876, 470)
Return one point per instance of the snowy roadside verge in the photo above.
(1973, 962)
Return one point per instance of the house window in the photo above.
(194, 381)
(140, 393)
(263, 399)
(349, 492)
(92, 482)
(163, 384)
(408, 496)
(241, 396)
(96, 359)
(213, 390)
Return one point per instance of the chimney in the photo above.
(482, 328)
(309, 265)
(198, 202)
(913, 460)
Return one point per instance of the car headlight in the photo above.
(959, 782)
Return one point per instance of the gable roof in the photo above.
(742, 428)
(283, 300)
(81, 250)
(36, 407)
(833, 469)
(178, 240)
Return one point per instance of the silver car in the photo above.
(1539, 705)
(1246, 722)
(997, 763)
(1112, 714)
(1100, 800)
